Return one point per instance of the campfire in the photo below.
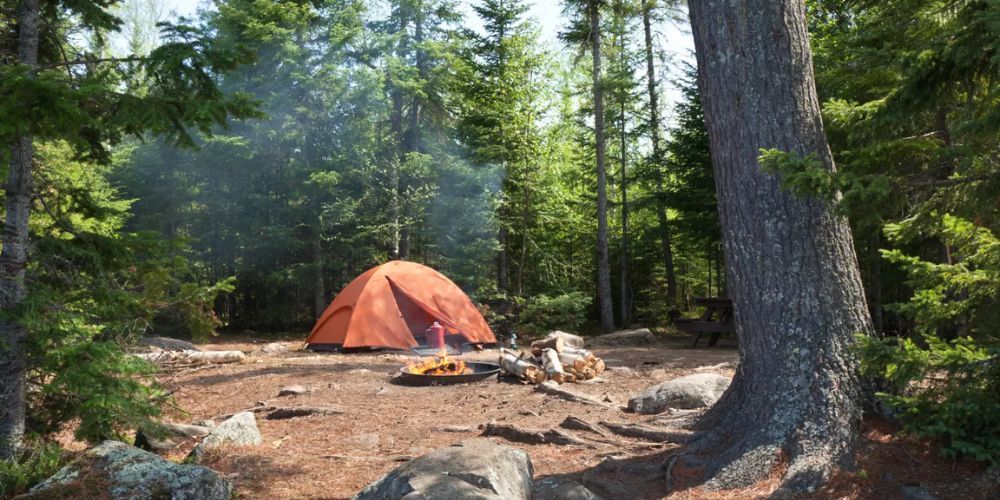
(442, 364)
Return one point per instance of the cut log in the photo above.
(163, 357)
(521, 368)
(554, 343)
(598, 366)
(569, 339)
(553, 368)
(532, 436)
(551, 388)
(648, 433)
(573, 361)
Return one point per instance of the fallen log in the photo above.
(282, 413)
(184, 429)
(551, 388)
(573, 361)
(532, 436)
(648, 433)
(581, 352)
(553, 368)
(554, 343)
(189, 356)
(521, 368)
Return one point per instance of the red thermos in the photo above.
(435, 335)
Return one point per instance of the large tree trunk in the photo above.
(654, 136)
(14, 256)
(625, 283)
(791, 267)
(603, 266)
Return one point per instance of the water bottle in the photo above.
(513, 342)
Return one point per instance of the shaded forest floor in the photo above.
(384, 424)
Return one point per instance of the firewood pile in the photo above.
(552, 358)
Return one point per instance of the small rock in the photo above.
(557, 488)
(530, 413)
(620, 369)
(473, 469)
(126, 472)
(641, 336)
(185, 430)
(274, 347)
(367, 441)
(691, 391)
(292, 390)
(146, 441)
(240, 429)
(359, 370)
(712, 368)
(916, 492)
(382, 391)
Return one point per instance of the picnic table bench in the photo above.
(717, 319)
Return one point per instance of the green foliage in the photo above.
(37, 462)
(804, 176)
(542, 314)
(947, 391)
(961, 294)
(95, 290)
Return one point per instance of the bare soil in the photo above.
(385, 423)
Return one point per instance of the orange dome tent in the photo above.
(392, 305)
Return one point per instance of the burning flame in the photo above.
(441, 364)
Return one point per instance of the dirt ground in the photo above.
(385, 423)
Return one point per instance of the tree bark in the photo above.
(607, 314)
(654, 136)
(625, 283)
(319, 285)
(14, 256)
(790, 261)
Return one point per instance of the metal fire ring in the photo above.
(479, 371)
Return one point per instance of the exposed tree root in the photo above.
(742, 441)
(553, 389)
(533, 436)
(582, 425)
(648, 433)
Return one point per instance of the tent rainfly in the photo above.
(392, 305)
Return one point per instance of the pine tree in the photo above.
(790, 261)
(54, 94)
(500, 106)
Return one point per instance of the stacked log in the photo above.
(551, 358)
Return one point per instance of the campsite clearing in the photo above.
(384, 424)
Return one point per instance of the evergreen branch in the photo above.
(78, 62)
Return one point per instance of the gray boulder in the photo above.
(240, 430)
(557, 488)
(473, 469)
(692, 391)
(168, 344)
(119, 471)
(641, 336)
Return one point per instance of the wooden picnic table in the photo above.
(717, 319)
